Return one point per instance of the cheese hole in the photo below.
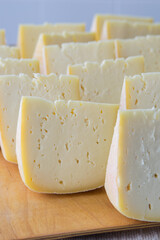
(61, 182)
(34, 161)
(88, 155)
(101, 111)
(13, 140)
(136, 101)
(31, 132)
(149, 205)
(155, 105)
(105, 139)
(59, 161)
(66, 146)
(133, 88)
(39, 165)
(86, 121)
(63, 95)
(7, 126)
(46, 130)
(155, 175)
(77, 161)
(97, 142)
(82, 88)
(53, 113)
(102, 120)
(128, 188)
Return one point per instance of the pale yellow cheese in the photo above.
(99, 19)
(133, 170)
(28, 35)
(57, 39)
(13, 87)
(56, 59)
(9, 52)
(62, 147)
(102, 82)
(2, 37)
(148, 46)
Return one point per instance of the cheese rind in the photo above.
(2, 37)
(132, 178)
(102, 82)
(56, 59)
(69, 145)
(12, 88)
(9, 52)
(28, 35)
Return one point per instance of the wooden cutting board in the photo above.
(25, 214)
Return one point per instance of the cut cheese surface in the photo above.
(148, 46)
(113, 29)
(2, 37)
(9, 52)
(99, 19)
(62, 147)
(102, 82)
(13, 87)
(56, 59)
(28, 35)
(141, 91)
(133, 171)
(59, 38)
(16, 66)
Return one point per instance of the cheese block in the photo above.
(28, 35)
(148, 46)
(56, 59)
(141, 91)
(9, 52)
(99, 19)
(133, 171)
(113, 29)
(2, 37)
(62, 147)
(102, 82)
(13, 87)
(15, 66)
(59, 38)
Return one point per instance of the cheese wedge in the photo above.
(56, 59)
(62, 147)
(148, 46)
(113, 29)
(12, 88)
(9, 52)
(133, 171)
(99, 19)
(29, 34)
(102, 82)
(141, 91)
(2, 37)
(58, 39)
(15, 66)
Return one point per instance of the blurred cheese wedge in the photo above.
(141, 91)
(57, 39)
(15, 66)
(2, 37)
(113, 29)
(133, 171)
(12, 88)
(102, 82)
(148, 46)
(62, 147)
(56, 59)
(99, 19)
(29, 34)
(9, 52)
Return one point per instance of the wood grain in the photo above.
(25, 214)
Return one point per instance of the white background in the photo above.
(14, 12)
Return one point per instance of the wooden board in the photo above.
(25, 215)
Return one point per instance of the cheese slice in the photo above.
(2, 37)
(102, 82)
(148, 46)
(113, 29)
(59, 38)
(99, 19)
(15, 66)
(56, 59)
(13, 87)
(9, 52)
(133, 171)
(28, 35)
(62, 147)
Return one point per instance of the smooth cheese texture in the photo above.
(99, 19)
(12, 88)
(102, 82)
(29, 34)
(133, 171)
(68, 148)
(16, 66)
(56, 59)
(57, 39)
(113, 29)
(9, 52)
(141, 91)
(2, 37)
